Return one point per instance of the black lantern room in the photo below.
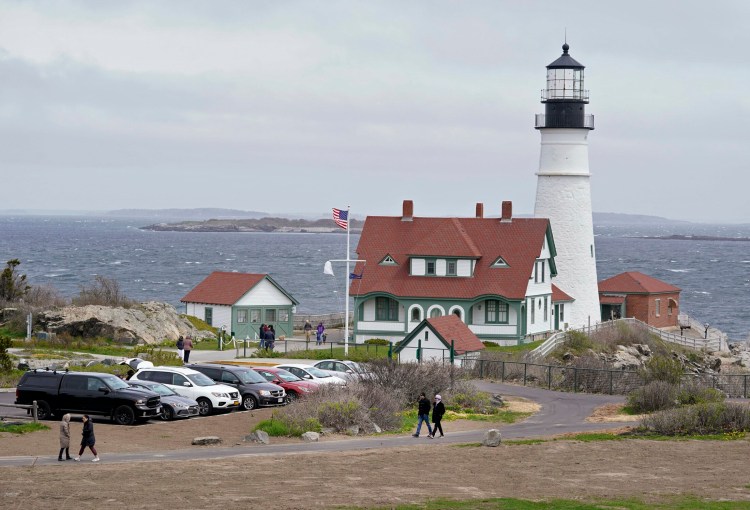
(565, 98)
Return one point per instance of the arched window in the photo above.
(416, 314)
(457, 312)
(436, 312)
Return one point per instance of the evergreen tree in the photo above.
(13, 286)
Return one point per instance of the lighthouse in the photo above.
(563, 190)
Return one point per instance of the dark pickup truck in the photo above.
(57, 393)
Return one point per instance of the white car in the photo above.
(310, 373)
(192, 384)
(349, 370)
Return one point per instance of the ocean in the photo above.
(67, 252)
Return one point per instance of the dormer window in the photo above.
(388, 261)
(430, 267)
(450, 267)
(499, 262)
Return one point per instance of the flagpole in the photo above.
(346, 284)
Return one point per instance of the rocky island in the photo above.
(255, 225)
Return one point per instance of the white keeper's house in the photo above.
(241, 302)
(494, 274)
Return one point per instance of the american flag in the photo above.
(341, 218)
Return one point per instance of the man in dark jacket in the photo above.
(423, 411)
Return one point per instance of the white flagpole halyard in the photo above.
(346, 306)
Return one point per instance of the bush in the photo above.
(405, 381)
(578, 342)
(696, 391)
(282, 424)
(662, 368)
(6, 365)
(654, 396)
(377, 341)
(470, 400)
(703, 419)
(104, 291)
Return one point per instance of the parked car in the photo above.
(172, 405)
(254, 390)
(349, 370)
(193, 384)
(310, 373)
(58, 393)
(293, 385)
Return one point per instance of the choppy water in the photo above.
(66, 252)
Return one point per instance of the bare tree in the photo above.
(104, 291)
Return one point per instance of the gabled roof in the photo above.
(559, 295)
(633, 282)
(611, 300)
(446, 328)
(519, 242)
(223, 288)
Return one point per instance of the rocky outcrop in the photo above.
(149, 323)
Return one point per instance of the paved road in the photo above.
(560, 413)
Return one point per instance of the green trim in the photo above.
(552, 251)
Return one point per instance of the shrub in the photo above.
(654, 396)
(470, 400)
(160, 357)
(5, 363)
(695, 391)
(405, 381)
(711, 418)
(104, 291)
(377, 341)
(342, 414)
(578, 342)
(282, 424)
(662, 368)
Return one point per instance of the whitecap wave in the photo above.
(680, 270)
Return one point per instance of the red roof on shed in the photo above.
(221, 288)
(451, 327)
(633, 282)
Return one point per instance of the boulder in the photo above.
(353, 430)
(149, 323)
(206, 440)
(491, 438)
(311, 437)
(259, 436)
(497, 400)
(327, 431)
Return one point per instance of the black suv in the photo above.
(57, 393)
(253, 387)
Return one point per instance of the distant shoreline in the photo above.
(679, 237)
(275, 225)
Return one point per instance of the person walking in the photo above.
(181, 348)
(319, 333)
(270, 338)
(423, 415)
(262, 337)
(438, 410)
(88, 439)
(65, 438)
(308, 331)
(188, 346)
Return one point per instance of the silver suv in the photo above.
(193, 384)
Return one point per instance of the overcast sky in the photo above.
(299, 106)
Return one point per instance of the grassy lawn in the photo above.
(23, 428)
(493, 347)
(677, 503)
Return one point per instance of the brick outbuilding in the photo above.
(637, 295)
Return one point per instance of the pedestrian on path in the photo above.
(438, 410)
(188, 346)
(319, 333)
(88, 439)
(423, 415)
(308, 330)
(181, 348)
(64, 438)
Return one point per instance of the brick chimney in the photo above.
(480, 210)
(408, 214)
(507, 212)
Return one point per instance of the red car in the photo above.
(293, 385)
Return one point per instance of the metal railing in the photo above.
(29, 416)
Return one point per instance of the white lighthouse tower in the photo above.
(563, 190)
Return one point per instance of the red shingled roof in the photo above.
(451, 327)
(559, 295)
(220, 288)
(611, 300)
(633, 282)
(518, 242)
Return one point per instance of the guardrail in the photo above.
(33, 408)
(715, 342)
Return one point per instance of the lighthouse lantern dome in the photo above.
(565, 79)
